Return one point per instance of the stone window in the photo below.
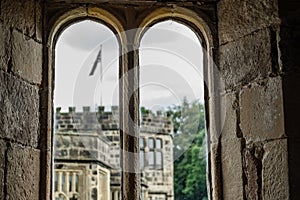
(90, 142)
(158, 143)
(154, 154)
(151, 143)
(70, 182)
(55, 182)
(158, 160)
(142, 143)
(171, 73)
(66, 184)
(128, 96)
(151, 159)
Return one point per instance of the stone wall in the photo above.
(95, 137)
(20, 79)
(255, 47)
(254, 138)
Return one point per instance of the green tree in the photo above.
(189, 151)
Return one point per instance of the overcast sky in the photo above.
(170, 66)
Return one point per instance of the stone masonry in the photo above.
(88, 143)
(251, 94)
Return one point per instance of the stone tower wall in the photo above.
(95, 136)
(21, 78)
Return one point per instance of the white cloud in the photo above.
(170, 60)
(87, 35)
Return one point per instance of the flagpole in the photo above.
(98, 60)
(101, 76)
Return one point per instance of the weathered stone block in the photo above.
(39, 21)
(232, 169)
(246, 59)
(4, 47)
(19, 14)
(275, 183)
(26, 58)
(252, 168)
(23, 173)
(238, 18)
(2, 166)
(229, 116)
(261, 111)
(19, 110)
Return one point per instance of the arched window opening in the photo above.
(86, 114)
(172, 125)
(90, 110)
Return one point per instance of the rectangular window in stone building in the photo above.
(76, 183)
(55, 182)
(158, 159)
(63, 182)
(151, 143)
(70, 182)
(151, 162)
(142, 143)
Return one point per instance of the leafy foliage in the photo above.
(189, 151)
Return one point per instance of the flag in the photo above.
(98, 60)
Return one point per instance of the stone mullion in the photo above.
(67, 183)
(116, 195)
(129, 124)
(59, 188)
(73, 182)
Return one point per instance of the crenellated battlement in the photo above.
(158, 122)
(88, 120)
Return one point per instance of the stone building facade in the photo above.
(87, 155)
